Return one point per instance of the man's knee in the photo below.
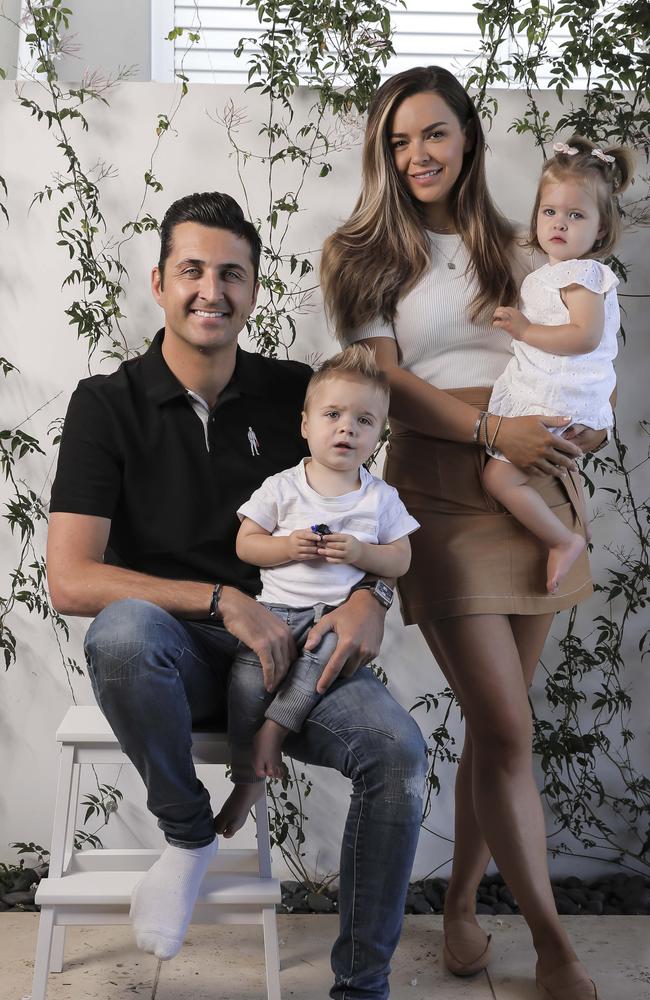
(397, 767)
(121, 633)
(122, 622)
(408, 762)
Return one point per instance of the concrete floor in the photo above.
(226, 963)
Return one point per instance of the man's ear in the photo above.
(255, 294)
(156, 284)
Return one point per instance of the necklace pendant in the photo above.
(451, 265)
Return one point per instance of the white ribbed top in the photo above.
(435, 337)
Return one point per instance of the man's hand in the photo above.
(511, 320)
(340, 548)
(269, 638)
(359, 626)
(302, 545)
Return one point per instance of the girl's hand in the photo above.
(339, 548)
(511, 320)
(586, 438)
(526, 442)
(302, 545)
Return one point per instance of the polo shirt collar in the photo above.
(249, 377)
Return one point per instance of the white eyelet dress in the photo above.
(577, 386)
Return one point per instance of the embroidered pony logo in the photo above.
(253, 442)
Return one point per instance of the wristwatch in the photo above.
(379, 590)
(214, 612)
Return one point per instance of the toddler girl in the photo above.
(565, 333)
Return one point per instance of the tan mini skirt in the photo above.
(470, 556)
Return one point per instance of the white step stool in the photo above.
(94, 886)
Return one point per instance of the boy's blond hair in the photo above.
(355, 363)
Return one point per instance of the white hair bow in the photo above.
(561, 147)
(603, 156)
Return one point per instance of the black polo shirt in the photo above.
(134, 450)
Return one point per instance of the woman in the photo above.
(415, 274)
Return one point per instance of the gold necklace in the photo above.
(450, 260)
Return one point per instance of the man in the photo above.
(155, 460)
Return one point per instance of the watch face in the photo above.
(384, 593)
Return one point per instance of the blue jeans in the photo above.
(249, 703)
(155, 677)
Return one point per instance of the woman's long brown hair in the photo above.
(381, 252)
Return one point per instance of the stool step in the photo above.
(84, 725)
(119, 859)
(116, 887)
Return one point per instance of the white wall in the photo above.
(104, 36)
(35, 336)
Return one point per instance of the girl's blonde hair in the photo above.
(356, 363)
(603, 180)
(382, 251)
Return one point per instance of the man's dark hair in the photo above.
(211, 208)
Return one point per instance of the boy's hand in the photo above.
(511, 320)
(340, 548)
(302, 545)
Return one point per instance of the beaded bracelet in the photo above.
(485, 431)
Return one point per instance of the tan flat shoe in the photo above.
(569, 982)
(467, 948)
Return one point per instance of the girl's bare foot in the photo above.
(267, 749)
(560, 560)
(236, 808)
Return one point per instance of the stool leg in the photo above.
(62, 810)
(57, 949)
(43, 948)
(262, 831)
(71, 820)
(271, 953)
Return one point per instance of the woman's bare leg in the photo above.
(471, 853)
(487, 676)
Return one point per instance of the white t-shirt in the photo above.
(436, 339)
(286, 502)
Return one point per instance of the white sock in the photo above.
(163, 900)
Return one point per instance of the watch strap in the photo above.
(379, 590)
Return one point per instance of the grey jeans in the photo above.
(249, 703)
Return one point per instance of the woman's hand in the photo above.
(528, 444)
